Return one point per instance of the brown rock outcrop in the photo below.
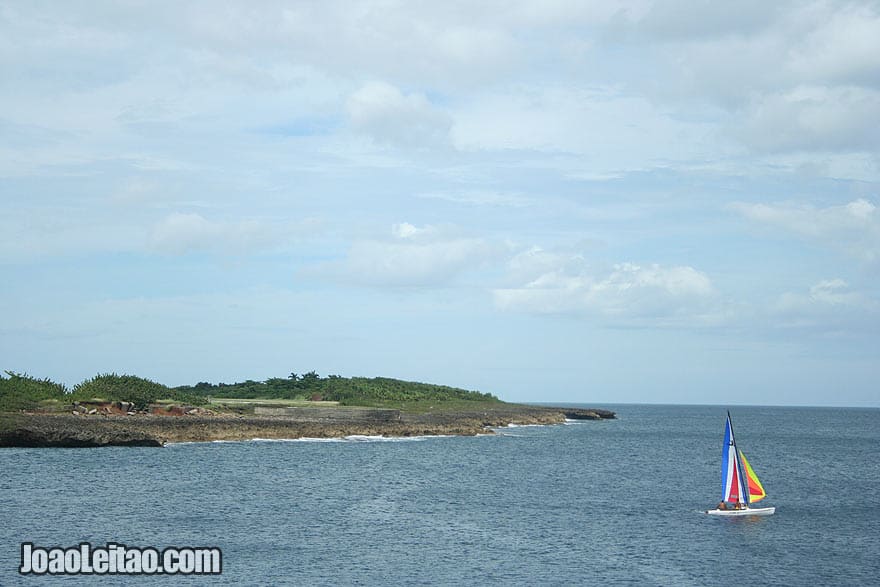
(54, 430)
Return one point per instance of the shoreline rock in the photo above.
(76, 431)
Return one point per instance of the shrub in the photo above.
(128, 388)
(23, 392)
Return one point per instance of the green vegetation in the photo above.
(23, 392)
(128, 388)
(353, 391)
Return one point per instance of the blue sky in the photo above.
(664, 202)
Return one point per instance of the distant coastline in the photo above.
(125, 410)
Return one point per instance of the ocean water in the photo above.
(595, 503)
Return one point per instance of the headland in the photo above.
(370, 407)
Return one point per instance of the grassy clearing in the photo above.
(238, 401)
(411, 406)
(437, 406)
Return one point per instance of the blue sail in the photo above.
(731, 471)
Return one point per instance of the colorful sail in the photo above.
(730, 470)
(756, 490)
(739, 484)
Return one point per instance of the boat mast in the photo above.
(743, 484)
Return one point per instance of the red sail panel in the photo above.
(756, 492)
(734, 485)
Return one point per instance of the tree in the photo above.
(310, 379)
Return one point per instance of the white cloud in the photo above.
(481, 198)
(782, 77)
(844, 47)
(628, 294)
(830, 306)
(608, 127)
(406, 230)
(694, 19)
(27, 235)
(390, 117)
(759, 47)
(438, 44)
(592, 78)
(180, 233)
(813, 118)
(853, 227)
(417, 256)
(834, 292)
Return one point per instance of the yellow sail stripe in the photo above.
(756, 490)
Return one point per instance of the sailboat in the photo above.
(737, 496)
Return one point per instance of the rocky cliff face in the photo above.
(67, 430)
(71, 431)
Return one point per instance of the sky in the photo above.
(586, 201)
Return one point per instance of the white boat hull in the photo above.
(743, 512)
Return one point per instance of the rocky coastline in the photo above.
(112, 428)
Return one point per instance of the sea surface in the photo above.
(591, 503)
